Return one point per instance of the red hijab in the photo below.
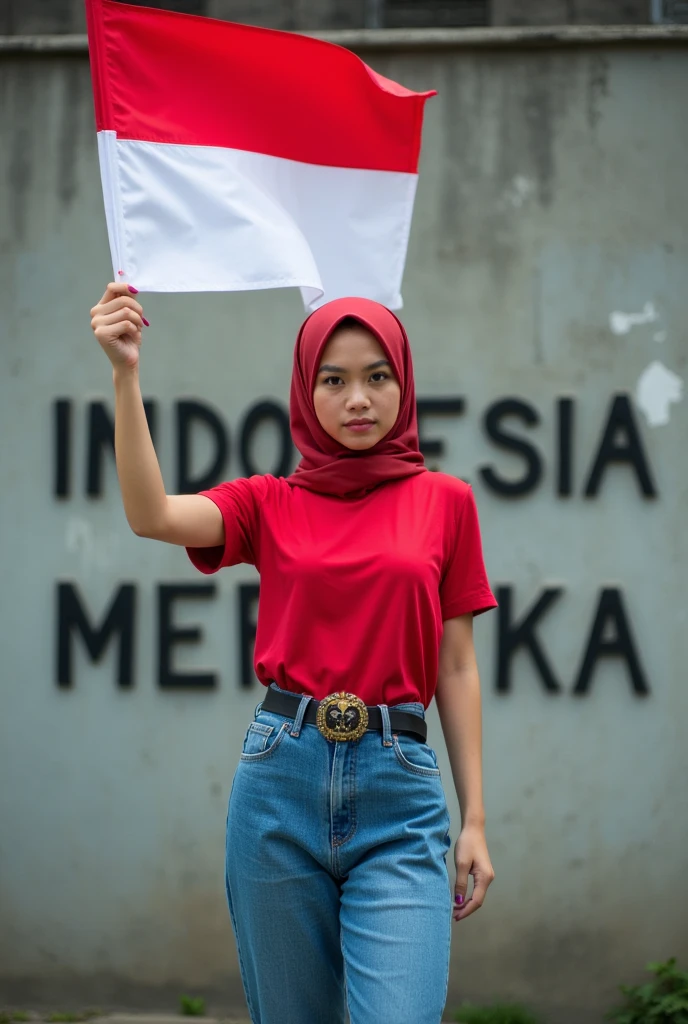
(326, 465)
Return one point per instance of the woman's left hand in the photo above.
(472, 858)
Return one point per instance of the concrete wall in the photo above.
(569, 12)
(26, 16)
(548, 260)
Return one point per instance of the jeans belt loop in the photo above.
(386, 726)
(298, 720)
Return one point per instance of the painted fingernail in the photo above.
(134, 291)
(458, 898)
(145, 321)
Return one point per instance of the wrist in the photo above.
(474, 820)
(122, 373)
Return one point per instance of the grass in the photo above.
(192, 1006)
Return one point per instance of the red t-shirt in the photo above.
(354, 592)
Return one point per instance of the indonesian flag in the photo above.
(237, 158)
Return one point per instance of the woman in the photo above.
(371, 573)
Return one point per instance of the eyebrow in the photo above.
(328, 368)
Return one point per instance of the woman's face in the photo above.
(356, 394)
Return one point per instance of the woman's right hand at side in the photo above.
(117, 321)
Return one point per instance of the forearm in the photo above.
(140, 479)
(459, 706)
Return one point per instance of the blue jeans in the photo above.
(336, 876)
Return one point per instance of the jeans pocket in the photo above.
(414, 757)
(262, 740)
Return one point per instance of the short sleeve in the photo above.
(239, 502)
(465, 587)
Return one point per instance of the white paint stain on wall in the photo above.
(518, 192)
(621, 323)
(93, 551)
(659, 336)
(657, 389)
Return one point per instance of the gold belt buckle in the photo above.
(342, 716)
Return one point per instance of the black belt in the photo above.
(287, 704)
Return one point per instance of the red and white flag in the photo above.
(236, 158)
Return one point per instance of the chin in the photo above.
(359, 444)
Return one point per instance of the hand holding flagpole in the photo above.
(117, 322)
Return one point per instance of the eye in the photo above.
(330, 379)
(381, 375)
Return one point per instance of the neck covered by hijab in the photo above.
(326, 465)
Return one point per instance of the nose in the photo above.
(357, 398)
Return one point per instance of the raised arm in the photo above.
(190, 520)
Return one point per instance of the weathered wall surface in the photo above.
(547, 267)
(27, 16)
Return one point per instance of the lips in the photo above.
(359, 423)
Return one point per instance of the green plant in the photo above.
(192, 1006)
(662, 1001)
(20, 1015)
(500, 1014)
